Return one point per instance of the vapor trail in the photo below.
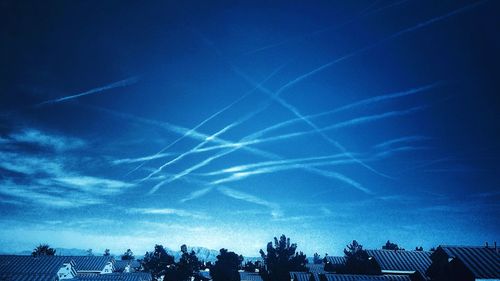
(329, 174)
(389, 143)
(242, 168)
(141, 159)
(235, 146)
(191, 151)
(175, 129)
(299, 38)
(348, 106)
(118, 84)
(236, 176)
(223, 130)
(352, 54)
(248, 93)
(376, 44)
(351, 122)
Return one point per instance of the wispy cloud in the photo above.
(119, 84)
(275, 208)
(49, 177)
(93, 184)
(42, 196)
(52, 141)
(168, 212)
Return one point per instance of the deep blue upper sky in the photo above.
(223, 124)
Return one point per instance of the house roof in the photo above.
(250, 276)
(27, 277)
(400, 260)
(13, 264)
(316, 268)
(135, 276)
(300, 276)
(483, 262)
(351, 277)
(338, 260)
(121, 264)
(91, 263)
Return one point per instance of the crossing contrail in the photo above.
(118, 84)
(176, 129)
(367, 101)
(224, 109)
(235, 146)
(223, 130)
(236, 176)
(242, 168)
(347, 56)
(299, 38)
(355, 121)
(376, 44)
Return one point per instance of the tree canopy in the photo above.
(391, 246)
(128, 255)
(226, 267)
(43, 250)
(157, 262)
(358, 261)
(281, 258)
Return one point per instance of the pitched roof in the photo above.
(135, 276)
(13, 264)
(91, 263)
(351, 277)
(483, 262)
(316, 268)
(300, 276)
(121, 264)
(400, 260)
(250, 276)
(335, 260)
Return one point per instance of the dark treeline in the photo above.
(278, 260)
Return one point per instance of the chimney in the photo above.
(486, 244)
(496, 249)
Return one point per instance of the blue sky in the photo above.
(224, 124)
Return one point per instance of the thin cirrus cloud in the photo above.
(47, 177)
(168, 212)
(51, 141)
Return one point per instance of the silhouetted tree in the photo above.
(106, 253)
(317, 259)
(419, 248)
(358, 261)
(390, 246)
(43, 250)
(188, 264)
(249, 266)
(282, 258)
(128, 255)
(226, 266)
(157, 262)
(90, 253)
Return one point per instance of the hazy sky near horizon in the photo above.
(226, 123)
